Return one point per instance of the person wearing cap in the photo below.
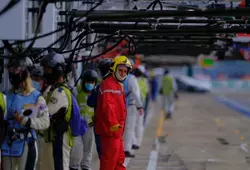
(134, 107)
(110, 116)
(58, 140)
(81, 154)
(37, 78)
(104, 71)
(27, 113)
(169, 92)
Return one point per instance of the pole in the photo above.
(107, 14)
(163, 30)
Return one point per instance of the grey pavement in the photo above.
(203, 135)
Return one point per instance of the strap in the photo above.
(68, 93)
(2, 104)
(68, 114)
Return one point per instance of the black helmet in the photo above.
(104, 66)
(53, 60)
(90, 75)
(37, 71)
(166, 71)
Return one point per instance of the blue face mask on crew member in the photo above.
(36, 85)
(89, 86)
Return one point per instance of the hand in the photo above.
(91, 124)
(18, 118)
(141, 111)
(115, 128)
(176, 96)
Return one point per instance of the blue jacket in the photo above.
(92, 99)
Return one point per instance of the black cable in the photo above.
(91, 44)
(39, 21)
(94, 57)
(66, 36)
(10, 5)
(86, 61)
(60, 29)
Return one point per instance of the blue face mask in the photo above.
(36, 85)
(89, 86)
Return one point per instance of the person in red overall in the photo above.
(110, 116)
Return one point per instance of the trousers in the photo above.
(139, 130)
(47, 154)
(130, 127)
(111, 151)
(61, 152)
(40, 144)
(27, 161)
(81, 153)
(168, 104)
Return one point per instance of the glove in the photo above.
(115, 128)
(141, 111)
(91, 124)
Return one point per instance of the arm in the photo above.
(40, 122)
(92, 98)
(57, 101)
(175, 88)
(135, 89)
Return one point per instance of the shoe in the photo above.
(135, 147)
(168, 116)
(128, 154)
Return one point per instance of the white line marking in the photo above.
(244, 147)
(152, 162)
(148, 118)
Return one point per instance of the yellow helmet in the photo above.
(121, 60)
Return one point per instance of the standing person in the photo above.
(134, 107)
(58, 135)
(111, 115)
(104, 70)
(81, 154)
(27, 113)
(154, 86)
(169, 92)
(38, 83)
(139, 128)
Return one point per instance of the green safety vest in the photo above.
(143, 89)
(2, 103)
(167, 85)
(86, 111)
(49, 133)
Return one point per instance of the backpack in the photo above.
(78, 125)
